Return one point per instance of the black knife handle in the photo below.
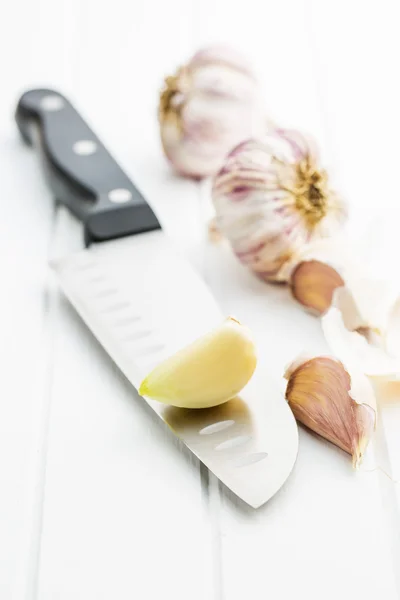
(80, 171)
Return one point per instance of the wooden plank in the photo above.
(361, 99)
(125, 514)
(114, 508)
(25, 230)
(327, 524)
(103, 527)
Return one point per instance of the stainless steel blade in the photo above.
(143, 301)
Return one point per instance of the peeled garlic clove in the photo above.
(272, 199)
(350, 332)
(210, 371)
(338, 405)
(206, 108)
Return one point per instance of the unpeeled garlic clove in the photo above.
(210, 371)
(317, 270)
(313, 283)
(335, 268)
(334, 403)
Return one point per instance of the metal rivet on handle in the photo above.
(52, 102)
(119, 195)
(84, 147)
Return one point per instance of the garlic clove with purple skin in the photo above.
(335, 403)
(206, 108)
(272, 199)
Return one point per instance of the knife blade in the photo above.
(136, 293)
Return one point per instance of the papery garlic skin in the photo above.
(392, 336)
(272, 198)
(349, 330)
(318, 271)
(206, 108)
(366, 303)
(330, 401)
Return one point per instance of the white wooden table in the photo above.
(93, 508)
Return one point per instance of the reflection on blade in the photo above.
(251, 445)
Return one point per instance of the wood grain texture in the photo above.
(97, 500)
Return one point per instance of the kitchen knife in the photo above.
(143, 301)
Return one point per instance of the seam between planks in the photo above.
(27, 582)
(60, 241)
(390, 508)
(39, 499)
(210, 483)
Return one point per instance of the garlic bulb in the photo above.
(206, 108)
(338, 405)
(272, 198)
